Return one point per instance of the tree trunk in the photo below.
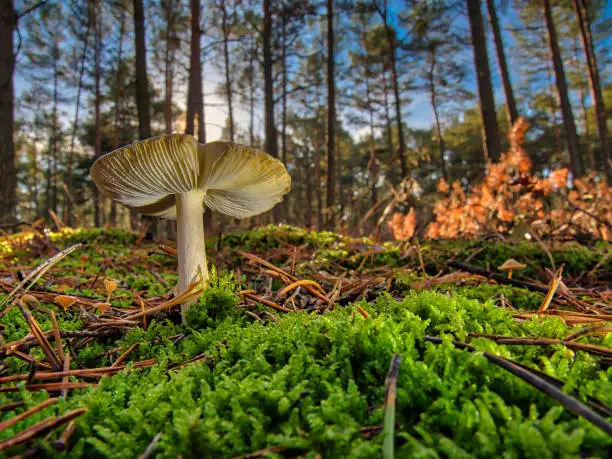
(434, 107)
(142, 82)
(252, 94)
(271, 145)
(569, 126)
(68, 217)
(372, 168)
(392, 56)
(169, 67)
(228, 78)
(492, 145)
(142, 90)
(331, 119)
(594, 83)
(285, 206)
(8, 172)
(112, 218)
(503, 66)
(97, 102)
(194, 93)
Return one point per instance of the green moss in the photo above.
(310, 383)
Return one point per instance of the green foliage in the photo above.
(310, 383)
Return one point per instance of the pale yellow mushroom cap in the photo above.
(234, 179)
(511, 264)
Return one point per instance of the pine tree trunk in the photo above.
(503, 66)
(434, 107)
(271, 145)
(142, 82)
(97, 116)
(331, 119)
(228, 78)
(492, 145)
(69, 203)
(594, 83)
(569, 125)
(194, 93)
(168, 67)
(112, 218)
(142, 90)
(8, 172)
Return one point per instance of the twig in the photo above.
(539, 383)
(14, 420)
(151, 448)
(39, 429)
(39, 271)
(498, 277)
(123, 356)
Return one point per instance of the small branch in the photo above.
(32, 8)
(498, 277)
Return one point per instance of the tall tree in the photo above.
(8, 174)
(584, 25)
(501, 62)
(195, 102)
(96, 19)
(492, 144)
(569, 125)
(331, 116)
(382, 8)
(271, 145)
(143, 101)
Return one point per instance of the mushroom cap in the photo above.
(511, 264)
(234, 179)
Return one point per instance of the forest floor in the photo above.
(305, 345)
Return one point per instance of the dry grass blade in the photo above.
(296, 284)
(596, 329)
(151, 448)
(188, 294)
(62, 442)
(14, 420)
(267, 264)
(575, 406)
(551, 291)
(39, 429)
(40, 336)
(389, 417)
(55, 387)
(257, 299)
(40, 271)
(124, 356)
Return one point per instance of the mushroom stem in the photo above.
(190, 241)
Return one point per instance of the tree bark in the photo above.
(569, 125)
(8, 172)
(503, 66)
(97, 101)
(580, 7)
(434, 107)
(392, 56)
(142, 92)
(169, 66)
(142, 82)
(271, 145)
(194, 93)
(68, 217)
(331, 119)
(492, 145)
(228, 79)
(112, 218)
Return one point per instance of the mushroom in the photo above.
(174, 177)
(511, 265)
